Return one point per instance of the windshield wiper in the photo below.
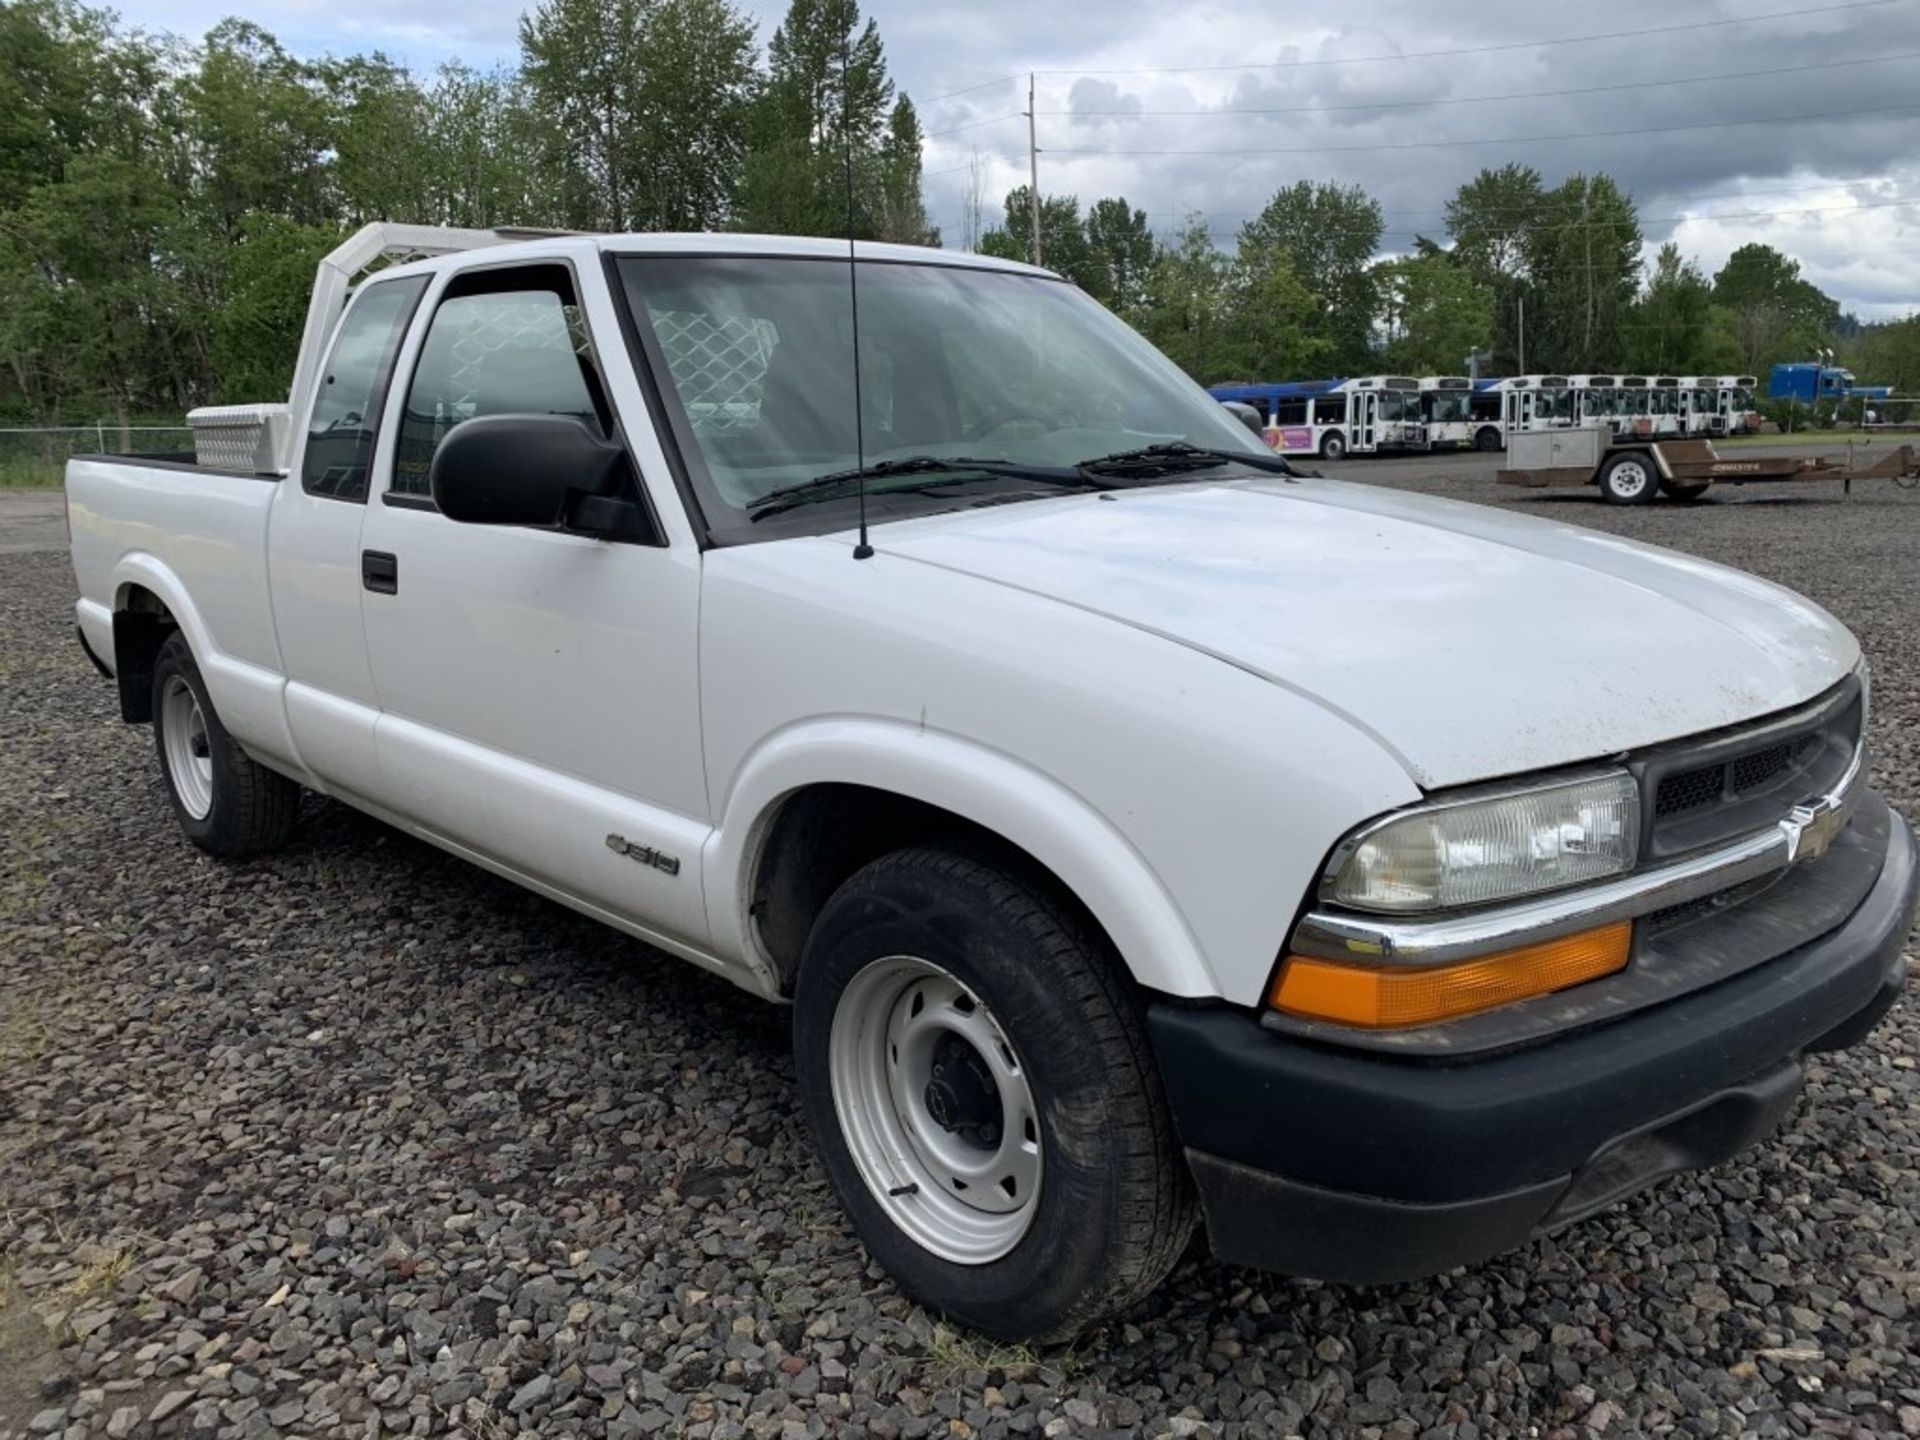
(832, 485)
(1174, 456)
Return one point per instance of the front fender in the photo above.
(985, 786)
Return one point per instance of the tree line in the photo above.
(163, 204)
(1529, 278)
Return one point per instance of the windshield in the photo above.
(1557, 404)
(954, 363)
(1444, 405)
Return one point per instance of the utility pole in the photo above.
(1523, 333)
(1033, 170)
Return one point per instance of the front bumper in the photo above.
(1368, 1168)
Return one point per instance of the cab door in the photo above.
(538, 688)
(313, 544)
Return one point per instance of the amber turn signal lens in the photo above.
(1387, 998)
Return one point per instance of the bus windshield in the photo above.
(1445, 405)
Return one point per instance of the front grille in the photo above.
(1714, 789)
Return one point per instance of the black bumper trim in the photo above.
(1357, 1167)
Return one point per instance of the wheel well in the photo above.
(141, 625)
(824, 833)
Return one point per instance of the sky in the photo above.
(1796, 125)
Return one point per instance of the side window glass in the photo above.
(517, 346)
(353, 390)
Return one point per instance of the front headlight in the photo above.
(1472, 852)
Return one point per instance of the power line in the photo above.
(983, 85)
(1244, 150)
(1636, 34)
(1234, 111)
(976, 124)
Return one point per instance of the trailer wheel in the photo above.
(1628, 479)
(1487, 438)
(1333, 446)
(1681, 491)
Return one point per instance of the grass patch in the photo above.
(17, 474)
(100, 1274)
(951, 1354)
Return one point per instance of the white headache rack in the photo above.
(257, 438)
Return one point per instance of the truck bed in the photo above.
(195, 540)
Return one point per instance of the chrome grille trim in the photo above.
(1341, 935)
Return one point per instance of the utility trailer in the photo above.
(1630, 470)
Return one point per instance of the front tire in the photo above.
(1333, 446)
(1628, 479)
(978, 1080)
(227, 804)
(1487, 438)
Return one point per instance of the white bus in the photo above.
(1534, 402)
(1368, 414)
(1446, 409)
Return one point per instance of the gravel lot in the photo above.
(360, 1141)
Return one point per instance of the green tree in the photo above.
(1330, 232)
(1583, 258)
(902, 215)
(1776, 314)
(1490, 220)
(646, 105)
(824, 106)
(1889, 354)
(479, 134)
(1434, 312)
(1675, 328)
(1186, 310)
(1063, 236)
(1271, 331)
(1119, 253)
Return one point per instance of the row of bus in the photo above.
(1374, 414)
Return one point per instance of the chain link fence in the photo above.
(38, 455)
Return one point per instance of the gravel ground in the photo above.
(361, 1141)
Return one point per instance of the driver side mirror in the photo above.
(1247, 416)
(542, 470)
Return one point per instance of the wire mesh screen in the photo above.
(719, 365)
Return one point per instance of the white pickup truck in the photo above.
(1142, 833)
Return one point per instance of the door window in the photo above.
(353, 390)
(500, 342)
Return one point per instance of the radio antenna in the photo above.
(862, 550)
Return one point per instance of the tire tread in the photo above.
(1160, 1206)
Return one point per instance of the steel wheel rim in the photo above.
(966, 1194)
(1629, 478)
(183, 727)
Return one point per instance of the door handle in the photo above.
(380, 572)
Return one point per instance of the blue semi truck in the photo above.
(1809, 382)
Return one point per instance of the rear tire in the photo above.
(1628, 479)
(978, 1080)
(1333, 446)
(227, 804)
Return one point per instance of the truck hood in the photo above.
(1470, 642)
